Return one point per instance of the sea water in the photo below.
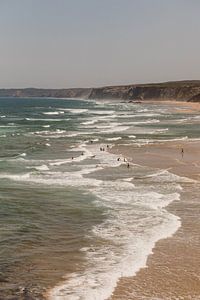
(74, 218)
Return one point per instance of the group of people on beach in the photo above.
(103, 148)
(125, 160)
(119, 158)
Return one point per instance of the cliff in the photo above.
(176, 90)
(54, 93)
(179, 90)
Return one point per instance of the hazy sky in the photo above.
(84, 43)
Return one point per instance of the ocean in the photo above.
(75, 217)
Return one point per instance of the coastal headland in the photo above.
(175, 90)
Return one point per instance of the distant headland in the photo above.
(175, 90)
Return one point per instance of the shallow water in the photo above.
(72, 215)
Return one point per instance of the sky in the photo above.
(88, 43)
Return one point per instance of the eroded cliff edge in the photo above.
(179, 90)
(175, 90)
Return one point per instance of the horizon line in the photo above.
(103, 86)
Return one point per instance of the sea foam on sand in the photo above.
(137, 219)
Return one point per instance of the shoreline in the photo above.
(139, 286)
(161, 278)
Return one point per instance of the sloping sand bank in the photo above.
(174, 267)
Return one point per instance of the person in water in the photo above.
(128, 165)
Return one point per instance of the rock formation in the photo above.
(176, 90)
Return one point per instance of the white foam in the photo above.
(132, 136)
(161, 130)
(114, 138)
(129, 235)
(116, 128)
(128, 179)
(136, 219)
(23, 154)
(89, 122)
(135, 215)
(60, 134)
(42, 168)
(101, 112)
(51, 113)
(46, 120)
(75, 110)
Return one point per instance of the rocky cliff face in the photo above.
(54, 93)
(180, 91)
(177, 90)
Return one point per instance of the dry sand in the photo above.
(173, 270)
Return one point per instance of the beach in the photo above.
(173, 270)
(77, 222)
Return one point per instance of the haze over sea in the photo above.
(74, 219)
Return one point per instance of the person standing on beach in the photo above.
(182, 152)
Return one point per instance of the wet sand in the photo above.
(173, 269)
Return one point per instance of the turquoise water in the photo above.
(72, 215)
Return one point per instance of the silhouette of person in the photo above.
(182, 152)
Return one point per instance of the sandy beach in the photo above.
(173, 270)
